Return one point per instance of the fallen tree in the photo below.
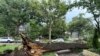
(37, 49)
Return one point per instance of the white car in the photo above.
(58, 40)
(6, 39)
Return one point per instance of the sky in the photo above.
(75, 12)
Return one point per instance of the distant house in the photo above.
(21, 28)
(73, 36)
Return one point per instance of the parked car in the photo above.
(6, 39)
(58, 40)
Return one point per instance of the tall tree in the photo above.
(58, 29)
(49, 11)
(80, 24)
(93, 7)
(15, 13)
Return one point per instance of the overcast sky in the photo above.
(75, 12)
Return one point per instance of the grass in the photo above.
(49, 54)
(5, 47)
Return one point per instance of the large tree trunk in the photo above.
(50, 32)
(95, 42)
(8, 33)
(96, 35)
(16, 30)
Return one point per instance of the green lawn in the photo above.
(5, 47)
(49, 54)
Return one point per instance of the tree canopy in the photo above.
(15, 13)
(93, 7)
(80, 24)
(50, 11)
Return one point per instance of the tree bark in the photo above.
(50, 32)
(8, 33)
(17, 30)
(95, 39)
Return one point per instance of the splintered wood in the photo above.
(32, 49)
